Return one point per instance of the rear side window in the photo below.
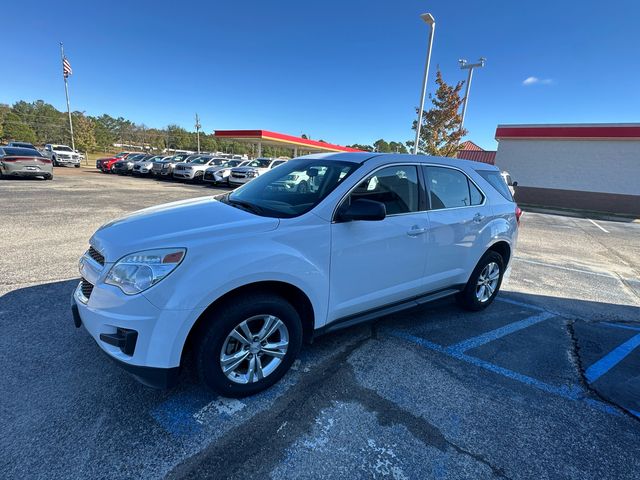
(497, 181)
(449, 188)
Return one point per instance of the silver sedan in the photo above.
(24, 162)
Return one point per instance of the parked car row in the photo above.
(207, 168)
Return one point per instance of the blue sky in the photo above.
(344, 71)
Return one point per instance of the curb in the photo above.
(611, 217)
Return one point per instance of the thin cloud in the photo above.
(536, 81)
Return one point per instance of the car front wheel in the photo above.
(249, 344)
(484, 283)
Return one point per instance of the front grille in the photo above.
(86, 288)
(96, 255)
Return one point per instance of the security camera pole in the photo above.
(469, 66)
(429, 20)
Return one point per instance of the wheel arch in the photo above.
(293, 294)
(502, 248)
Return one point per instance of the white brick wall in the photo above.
(609, 166)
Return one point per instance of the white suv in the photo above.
(62, 155)
(238, 281)
(253, 169)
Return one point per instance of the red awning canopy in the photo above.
(570, 132)
(265, 137)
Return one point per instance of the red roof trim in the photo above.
(268, 135)
(568, 132)
(470, 146)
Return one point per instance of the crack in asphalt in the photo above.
(334, 381)
(576, 360)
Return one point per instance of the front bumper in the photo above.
(71, 161)
(184, 175)
(142, 339)
(239, 180)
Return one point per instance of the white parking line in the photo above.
(551, 265)
(604, 230)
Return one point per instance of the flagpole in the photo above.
(66, 91)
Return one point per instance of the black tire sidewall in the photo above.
(223, 320)
(467, 297)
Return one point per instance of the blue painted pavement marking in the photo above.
(498, 333)
(574, 393)
(610, 360)
(620, 325)
(176, 414)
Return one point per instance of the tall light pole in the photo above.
(429, 20)
(198, 131)
(468, 66)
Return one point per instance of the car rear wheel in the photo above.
(484, 283)
(77, 166)
(248, 345)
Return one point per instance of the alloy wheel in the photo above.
(254, 349)
(487, 281)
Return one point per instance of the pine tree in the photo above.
(440, 133)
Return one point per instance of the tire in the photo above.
(197, 178)
(48, 177)
(474, 297)
(54, 162)
(252, 310)
(77, 166)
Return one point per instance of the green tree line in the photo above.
(40, 123)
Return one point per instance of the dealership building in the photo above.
(585, 166)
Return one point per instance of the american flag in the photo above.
(66, 67)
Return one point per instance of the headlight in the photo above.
(252, 173)
(139, 271)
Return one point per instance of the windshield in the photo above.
(259, 163)
(21, 152)
(62, 148)
(291, 189)
(231, 163)
(200, 161)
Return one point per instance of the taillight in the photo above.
(518, 214)
(45, 160)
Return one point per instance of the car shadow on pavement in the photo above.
(57, 380)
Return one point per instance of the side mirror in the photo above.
(514, 184)
(368, 210)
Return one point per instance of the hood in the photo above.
(245, 169)
(178, 224)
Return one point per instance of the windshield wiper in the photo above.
(250, 207)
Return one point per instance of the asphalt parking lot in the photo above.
(543, 384)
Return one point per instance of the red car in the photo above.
(105, 164)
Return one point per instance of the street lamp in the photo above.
(469, 66)
(429, 20)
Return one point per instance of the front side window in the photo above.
(396, 187)
(450, 188)
(291, 189)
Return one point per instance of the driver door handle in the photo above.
(415, 231)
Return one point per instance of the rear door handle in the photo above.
(478, 217)
(415, 231)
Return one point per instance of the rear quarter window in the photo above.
(496, 180)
